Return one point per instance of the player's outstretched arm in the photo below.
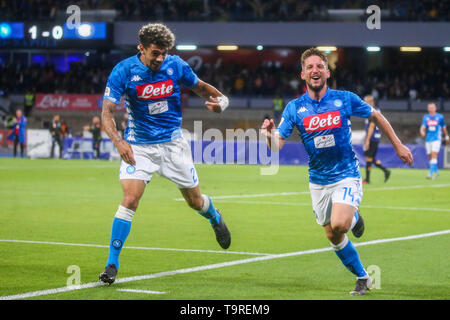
(217, 102)
(274, 141)
(402, 151)
(109, 124)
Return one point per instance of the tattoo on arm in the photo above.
(109, 124)
(205, 90)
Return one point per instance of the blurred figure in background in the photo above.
(18, 134)
(96, 130)
(373, 137)
(57, 135)
(433, 125)
(278, 106)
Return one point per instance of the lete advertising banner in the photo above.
(71, 102)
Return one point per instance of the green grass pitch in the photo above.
(58, 213)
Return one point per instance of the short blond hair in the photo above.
(313, 52)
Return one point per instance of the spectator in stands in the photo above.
(278, 105)
(57, 136)
(18, 134)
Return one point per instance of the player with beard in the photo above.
(322, 117)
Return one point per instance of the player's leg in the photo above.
(346, 198)
(133, 180)
(121, 226)
(428, 148)
(340, 223)
(201, 203)
(369, 161)
(435, 148)
(386, 171)
(205, 207)
(179, 168)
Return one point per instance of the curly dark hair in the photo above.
(313, 52)
(158, 34)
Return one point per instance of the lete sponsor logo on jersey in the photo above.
(155, 90)
(323, 121)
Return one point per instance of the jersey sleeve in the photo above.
(442, 122)
(358, 107)
(287, 122)
(188, 78)
(115, 86)
(424, 121)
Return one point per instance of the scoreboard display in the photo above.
(54, 35)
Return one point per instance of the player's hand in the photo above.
(366, 146)
(404, 154)
(267, 127)
(126, 152)
(213, 105)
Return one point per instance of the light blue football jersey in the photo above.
(152, 99)
(325, 128)
(433, 126)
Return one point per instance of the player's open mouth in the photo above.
(316, 78)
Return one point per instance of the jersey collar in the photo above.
(308, 97)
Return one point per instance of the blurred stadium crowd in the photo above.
(403, 80)
(225, 10)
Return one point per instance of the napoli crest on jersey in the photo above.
(338, 103)
(170, 71)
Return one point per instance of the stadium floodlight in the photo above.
(85, 30)
(5, 30)
(410, 49)
(227, 47)
(327, 48)
(373, 49)
(447, 49)
(259, 48)
(186, 47)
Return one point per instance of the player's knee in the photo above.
(340, 227)
(130, 201)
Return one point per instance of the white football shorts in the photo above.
(172, 160)
(348, 191)
(433, 146)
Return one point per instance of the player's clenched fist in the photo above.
(267, 127)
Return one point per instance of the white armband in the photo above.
(223, 102)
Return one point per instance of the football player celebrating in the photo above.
(433, 125)
(322, 117)
(150, 83)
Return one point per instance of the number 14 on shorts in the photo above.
(348, 192)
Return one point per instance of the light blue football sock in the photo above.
(209, 211)
(349, 257)
(119, 233)
(435, 169)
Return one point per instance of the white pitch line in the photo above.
(261, 195)
(136, 248)
(141, 291)
(304, 204)
(211, 266)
